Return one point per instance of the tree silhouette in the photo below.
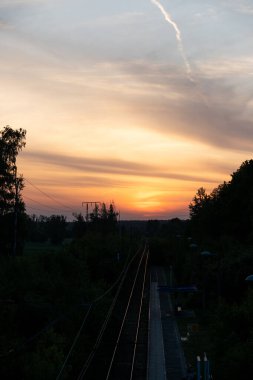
(11, 203)
(228, 210)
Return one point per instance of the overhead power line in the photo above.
(17, 348)
(47, 195)
(40, 203)
(100, 334)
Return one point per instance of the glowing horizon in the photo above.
(109, 111)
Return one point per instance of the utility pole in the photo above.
(14, 249)
(87, 208)
(120, 240)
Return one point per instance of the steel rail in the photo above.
(92, 305)
(125, 316)
(139, 317)
(90, 357)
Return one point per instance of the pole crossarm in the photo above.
(89, 203)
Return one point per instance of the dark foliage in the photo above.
(11, 203)
(45, 296)
(222, 222)
(228, 210)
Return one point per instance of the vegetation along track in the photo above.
(121, 348)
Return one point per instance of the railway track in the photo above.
(121, 352)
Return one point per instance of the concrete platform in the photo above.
(156, 359)
(166, 357)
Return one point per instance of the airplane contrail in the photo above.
(169, 19)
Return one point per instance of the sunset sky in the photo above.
(139, 102)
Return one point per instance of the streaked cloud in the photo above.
(225, 68)
(243, 6)
(112, 166)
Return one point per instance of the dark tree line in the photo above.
(222, 222)
(228, 210)
(41, 229)
(214, 251)
(103, 219)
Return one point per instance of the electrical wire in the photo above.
(35, 209)
(53, 322)
(100, 335)
(139, 317)
(47, 195)
(66, 209)
(39, 332)
(43, 210)
(124, 318)
(97, 300)
(104, 325)
(74, 342)
(33, 200)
